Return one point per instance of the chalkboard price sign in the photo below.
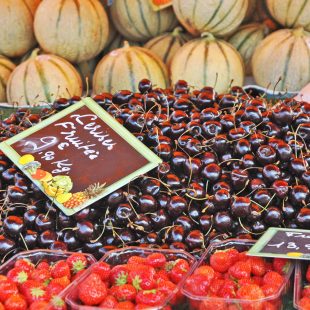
(283, 242)
(79, 155)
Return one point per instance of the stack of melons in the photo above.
(214, 42)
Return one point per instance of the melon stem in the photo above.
(176, 31)
(126, 44)
(35, 53)
(208, 36)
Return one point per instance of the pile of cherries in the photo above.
(233, 165)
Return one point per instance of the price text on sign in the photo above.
(79, 155)
(282, 242)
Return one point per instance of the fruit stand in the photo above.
(154, 154)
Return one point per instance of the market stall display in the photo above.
(233, 159)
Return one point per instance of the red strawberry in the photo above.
(233, 255)
(250, 292)
(2, 277)
(57, 303)
(242, 256)
(77, 262)
(220, 261)
(257, 266)
(257, 280)
(28, 284)
(228, 289)
(61, 269)
(17, 275)
(16, 302)
(92, 290)
(24, 264)
(53, 289)
(270, 305)
(109, 302)
(216, 285)
(268, 266)
(102, 269)
(177, 269)
(41, 275)
(156, 260)
(125, 305)
(141, 279)
(39, 305)
(43, 265)
(281, 265)
(306, 291)
(245, 281)
(308, 274)
(304, 303)
(206, 271)
(274, 278)
(197, 284)
(64, 281)
(119, 275)
(161, 275)
(240, 270)
(7, 288)
(270, 289)
(136, 260)
(34, 291)
(167, 287)
(125, 292)
(209, 304)
(151, 298)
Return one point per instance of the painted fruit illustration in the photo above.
(80, 197)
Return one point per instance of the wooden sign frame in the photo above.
(152, 159)
(293, 247)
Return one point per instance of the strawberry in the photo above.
(102, 269)
(156, 260)
(167, 287)
(92, 290)
(125, 292)
(35, 292)
(209, 304)
(308, 274)
(24, 264)
(268, 266)
(281, 265)
(197, 284)
(109, 302)
(274, 278)
(77, 262)
(119, 275)
(141, 279)
(270, 289)
(41, 275)
(61, 269)
(16, 302)
(269, 305)
(136, 260)
(240, 270)
(257, 266)
(126, 305)
(53, 289)
(206, 271)
(220, 261)
(233, 255)
(2, 277)
(304, 303)
(64, 281)
(257, 280)
(151, 298)
(7, 288)
(161, 275)
(250, 292)
(57, 303)
(216, 285)
(39, 305)
(17, 275)
(228, 289)
(28, 284)
(242, 256)
(177, 269)
(245, 281)
(43, 265)
(306, 291)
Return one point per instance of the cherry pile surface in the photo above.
(233, 165)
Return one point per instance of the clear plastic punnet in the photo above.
(198, 302)
(121, 256)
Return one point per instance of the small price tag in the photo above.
(283, 242)
(160, 4)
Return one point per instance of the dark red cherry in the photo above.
(242, 147)
(239, 178)
(13, 226)
(47, 238)
(122, 96)
(44, 222)
(6, 245)
(282, 115)
(303, 218)
(176, 206)
(266, 155)
(223, 222)
(299, 195)
(280, 188)
(288, 210)
(211, 129)
(271, 173)
(222, 198)
(144, 86)
(212, 172)
(273, 217)
(298, 166)
(30, 237)
(194, 240)
(240, 207)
